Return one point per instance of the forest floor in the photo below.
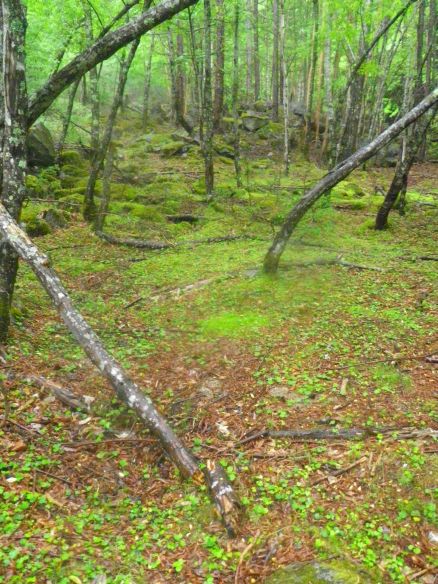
(225, 351)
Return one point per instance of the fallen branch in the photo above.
(64, 395)
(428, 258)
(124, 387)
(342, 434)
(155, 245)
(186, 218)
(337, 262)
(340, 471)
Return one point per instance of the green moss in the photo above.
(139, 211)
(353, 204)
(72, 201)
(230, 324)
(71, 157)
(34, 226)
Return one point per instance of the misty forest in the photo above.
(218, 291)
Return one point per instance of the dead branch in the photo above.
(342, 434)
(339, 261)
(157, 245)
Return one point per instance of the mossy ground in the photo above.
(77, 500)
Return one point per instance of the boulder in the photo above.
(54, 218)
(388, 156)
(253, 121)
(321, 572)
(40, 147)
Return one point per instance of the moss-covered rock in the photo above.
(40, 146)
(252, 121)
(33, 224)
(71, 157)
(324, 572)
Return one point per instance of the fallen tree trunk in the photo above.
(339, 261)
(146, 244)
(338, 174)
(342, 434)
(125, 388)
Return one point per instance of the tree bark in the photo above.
(147, 84)
(99, 221)
(124, 387)
(101, 50)
(256, 50)
(207, 145)
(248, 50)
(285, 96)
(315, 16)
(275, 61)
(178, 83)
(100, 153)
(235, 97)
(218, 106)
(94, 81)
(67, 117)
(337, 174)
(14, 160)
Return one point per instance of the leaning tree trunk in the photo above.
(125, 388)
(337, 174)
(101, 50)
(14, 160)
(218, 105)
(398, 187)
(207, 110)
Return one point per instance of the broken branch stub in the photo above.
(125, 388)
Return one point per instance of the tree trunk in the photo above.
(235, 97)
(275, 61)
(285, 96)
(198, 76)
(67, 117)
(208, 105)
(312, 74)
(178, 82)
(99, 222)
(328, 99)
(147, 84)
(337, 174)
(14, 160)
(248, 39)
(256, 50)
(218, 106)
(124, 387)
(100, 154)
(94, 81)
